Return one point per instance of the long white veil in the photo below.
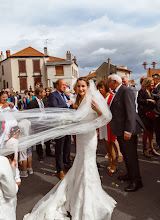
(37, 125)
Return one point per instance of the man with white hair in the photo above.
(126, 82)
(123, 125)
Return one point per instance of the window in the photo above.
(72, 71)
(22, 66)
(103, 77)
(59, 70)
(36, 66)
(2, 70)
(54, 85)
(7, 85)
(23, 83)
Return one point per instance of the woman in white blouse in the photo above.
(8, 191)
(5, 126)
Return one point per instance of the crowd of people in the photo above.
(133, 112)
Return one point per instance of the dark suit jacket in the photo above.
(143, 105)
(34, 104)
(55, 100)
(156, 91)
(123, 112)
(156, 95)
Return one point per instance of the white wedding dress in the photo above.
(80, 192)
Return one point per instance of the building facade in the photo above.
(107, 68)
(22, 70)
(58, 68)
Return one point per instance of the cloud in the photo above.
(148, 52)
(101, 51)
(127, 31)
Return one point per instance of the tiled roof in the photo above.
(91, 75)
(151, 72)
(29, 51)
(123, 68)
(56, 59)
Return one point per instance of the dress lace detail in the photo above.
(80, 192)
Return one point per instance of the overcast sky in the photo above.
(127, 31)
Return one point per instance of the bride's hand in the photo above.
(5, 105)
(95, 107)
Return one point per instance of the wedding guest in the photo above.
(74, 94)
(51, 89)
(32, 96)
(19, 99)
(47, 91)
(146, 104)
(25, 158)
(39, 102)
(123, 125)
(10, 97)
(25, 100)
(156, 95)
(126, 82)
(105, 131)
(8, 191)
(6, 106)
(16, 100)
(62, 147)
(141, 81)
(39, 85)
(14, 168)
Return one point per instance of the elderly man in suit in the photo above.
(62, 147)
(123, 125)
(39, 102)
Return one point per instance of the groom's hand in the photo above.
(70, 102)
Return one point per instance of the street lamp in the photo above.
(145, 66)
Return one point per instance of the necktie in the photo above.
(62, 94)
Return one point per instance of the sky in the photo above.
(128, 32)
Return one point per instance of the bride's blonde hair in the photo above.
(79, 98)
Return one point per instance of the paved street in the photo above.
(141, 205)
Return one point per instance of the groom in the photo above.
(62, 147)
(123, 125)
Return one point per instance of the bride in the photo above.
(79, 194)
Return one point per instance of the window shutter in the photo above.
(2, 70)
(23, 83)
(4, 84)
(59, 70)
(22, 66)
(36, 66)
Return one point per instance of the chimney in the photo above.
(7, 53)
(45, 51)
(75, 59)
(2, 56)
(109, 63)
(68, 56)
